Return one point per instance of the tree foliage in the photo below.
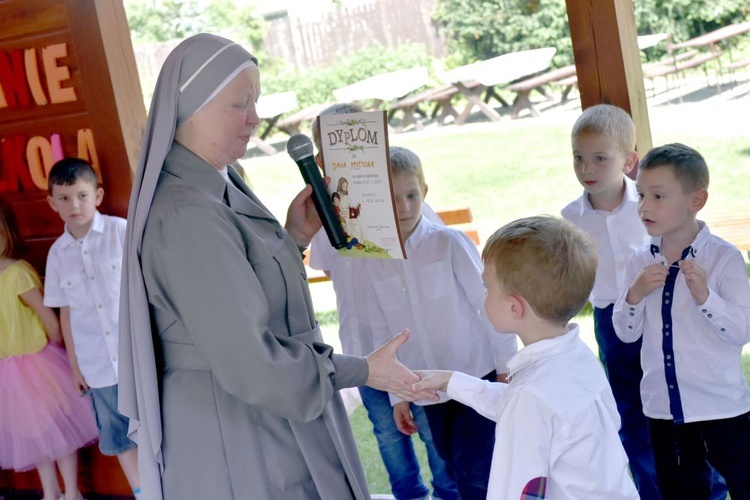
(162, 20)
(480, 29)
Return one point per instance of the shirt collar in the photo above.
(696, 247)
(419, 232)
(97, 226)
(542, 349)
(630, 196)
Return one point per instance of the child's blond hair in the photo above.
(547, 261)
(334, 109)
(406, 161)
(11, 243)
(609, 121)
(688, 165)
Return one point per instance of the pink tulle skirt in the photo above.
(41, 415)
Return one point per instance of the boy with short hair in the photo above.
(352, 290)
(603, 143)
(437, 294)
(83, 280)
(689, 299)
(556, 419)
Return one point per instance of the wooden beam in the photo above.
(608, 61)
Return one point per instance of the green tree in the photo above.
(161, 20)
(479, 29)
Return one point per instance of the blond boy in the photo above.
(603, 144)
(556, 434)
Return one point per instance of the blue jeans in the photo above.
(397, 450)
(622, 363)
(465, 440)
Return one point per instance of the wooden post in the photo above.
(608, 61)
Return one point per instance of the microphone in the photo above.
(300, 148)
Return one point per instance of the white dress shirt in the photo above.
(556, 419)
(84, 275)
(353, 295)
(691, 363)
(438, 294)
(617, 235)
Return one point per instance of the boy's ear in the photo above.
(424, 192)
(517, 307)
(699, 199)
(99, 196)
(50, 200)
(631, 160)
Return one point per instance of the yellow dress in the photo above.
(21, 330)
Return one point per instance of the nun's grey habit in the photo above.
(230, 391)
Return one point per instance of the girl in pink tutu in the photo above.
(43, 421)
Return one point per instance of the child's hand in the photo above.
(403, 418)
(649, 279)
(695, 277)
(435, 380)
(79, 383)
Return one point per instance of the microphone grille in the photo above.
(299, 146)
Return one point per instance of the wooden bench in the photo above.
(291, 124)
(731, 224)
(439, 97)
(680, 64)
(735, 65)
(524, 87)
(456, 217)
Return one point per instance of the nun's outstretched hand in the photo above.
(388, 374)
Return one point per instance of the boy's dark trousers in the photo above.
(622, 364)
(685, 454)
(465, 441)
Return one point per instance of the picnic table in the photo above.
(270, 108)
(481, 77)
(713, 38)
(384, 87)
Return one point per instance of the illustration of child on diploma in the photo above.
(354, 153)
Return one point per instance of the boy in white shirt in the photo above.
(353, 298)
(83, 280)
(437, 294)
(689, 300)
(603, 143)
(556, 419)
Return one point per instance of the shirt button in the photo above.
(666, 301)
(669, 364)
(666, 293)
(99, 306)
(114, 266)
(630, 327)
(666, 326)
(723, 329)
(106, 333)
(632, 308)
(114, 358)
(69, 283)
(632, 314)
(279, 233)
(92, 278)
(704, 311)
(710, 315)
(85, 252)
(666, 334)
(671, 386)
(669, 356)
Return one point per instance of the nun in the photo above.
(230, 390)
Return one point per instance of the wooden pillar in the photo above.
(608, 61)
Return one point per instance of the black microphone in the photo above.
(300, 148)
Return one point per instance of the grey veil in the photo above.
(195, 71)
